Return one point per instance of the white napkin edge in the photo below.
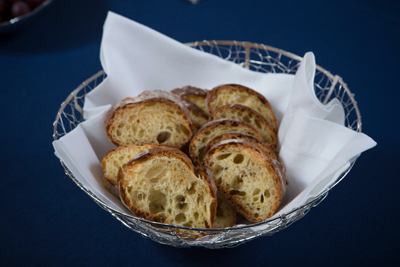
(62, 152)
(219, 72)
(303, 86)
(340, 163)
(93, 112)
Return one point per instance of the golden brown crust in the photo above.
(212, 94)
(190, 90)
(147, 97)
(160, 150)
(205, 176)
(262, 125)
(193, 94)
(120, 148)
(222, 206)
(209, 129)
(108, 177)
(235, 136)
(258, 155)
(194, 108)
(226, 214)
(197, 115)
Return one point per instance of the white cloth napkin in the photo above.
(137, 58)
(315, 146)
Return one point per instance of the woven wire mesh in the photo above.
(255, 57)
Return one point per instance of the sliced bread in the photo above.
(226, 213)
(247, 178)
(238, 94)
(249, 115)
(197, 115)
(212, 129)
(160, 185)
(118, 158)
(195, 95)
(239, 136)
(156, 117)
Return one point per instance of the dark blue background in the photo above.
(46, 220)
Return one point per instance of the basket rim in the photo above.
(247, 45)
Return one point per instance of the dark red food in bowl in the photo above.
(10, 9)
(14, 13)
(19, 8)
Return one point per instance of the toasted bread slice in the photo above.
(212, 129)
(239, 136)
(197, 115)
(249, 115)
(118, 158)
(238, 94)
(195, 95)
(226, 213)
(247, 178)
(156, 117)
(160, 185)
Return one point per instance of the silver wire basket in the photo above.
(255, 57)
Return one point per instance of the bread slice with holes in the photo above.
(195, 95)
(238, 94)
(226, 213)
(118, 158)
(156, 117)
(247, 178)
(240, 136)
(212, 129)
(160, 185)
(197, 115)
(249, 115)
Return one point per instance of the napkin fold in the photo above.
(137, 58)
(314, 145)
(303, 99)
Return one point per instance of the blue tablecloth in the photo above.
(46, 220)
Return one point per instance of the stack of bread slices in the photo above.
(194, 157)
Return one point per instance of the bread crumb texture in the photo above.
(162, 188)
(119, 157)
(150, 122)
(198, 100)
(246, 114)
(237, 94)
(268, 151)
(226, 213)
(213, 129)
(244, 177)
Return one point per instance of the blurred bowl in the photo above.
(17, 23)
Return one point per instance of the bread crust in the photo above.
(258, 155)
(269, 135)
(159, 151)
(240, 136)
(195, 148)
(157, 96)
(188, 92)
(223, 205)
(226, 214)
(212, 95)
(111, 181)
(208, 176)
(197, 115)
